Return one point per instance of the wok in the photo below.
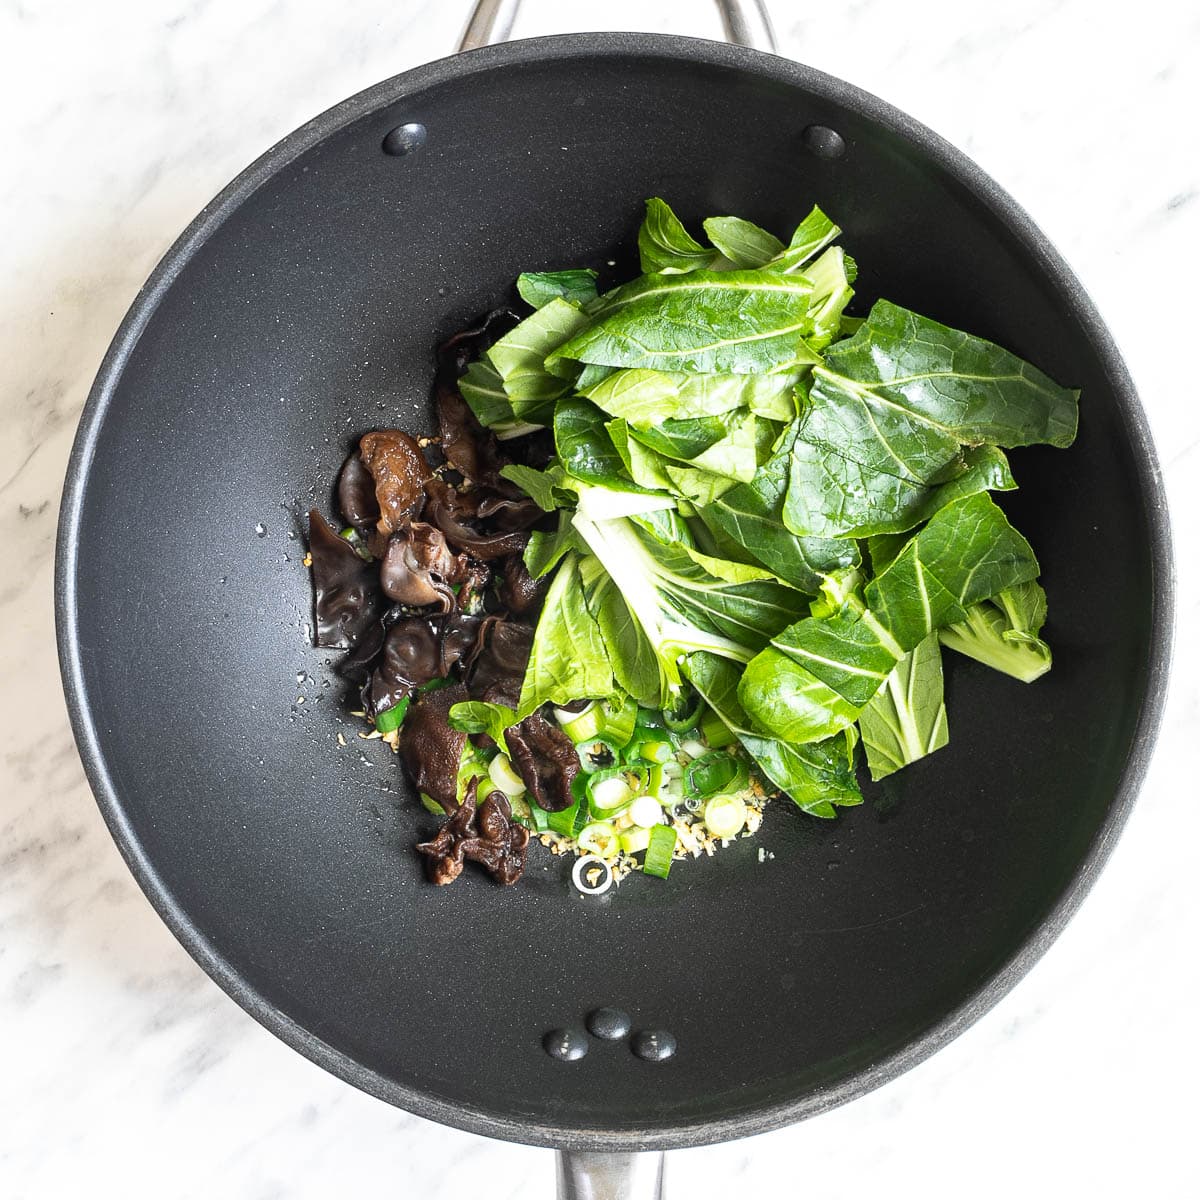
(300, 309)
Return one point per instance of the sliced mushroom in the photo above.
(430, 748)
(443, 507)
(399, 469)
(356, 493)
(519, 591)
(346, 589)
(469, 448)
(546, 760)
(418, 567)
(500, 668)
(487, 835)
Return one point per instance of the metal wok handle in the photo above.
(746, 23)
(607, 1176)
(586, 1175)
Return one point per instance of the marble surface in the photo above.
(123, 1070)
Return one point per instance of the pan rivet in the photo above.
(565, 1044)
(404, 139)
(823, 141)
(611, 1024)
(653, 1045)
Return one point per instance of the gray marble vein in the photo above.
(123, 1070)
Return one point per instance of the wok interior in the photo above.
(310, 316)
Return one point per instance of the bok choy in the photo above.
(762, 498)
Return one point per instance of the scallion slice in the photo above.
(619, 720)
(715, 732)
(585, 868)
(608, 792)
(685, 712)
(599, 838)
(500, 771)
(597, 754)
(584, 726)
(564, 715)
(646, 812)
(659, 851)
(725, 816)
(635, 840)
(716, 771)
(391, 718)
(650, 718)
(654, 751)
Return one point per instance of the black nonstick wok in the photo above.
(300, 309)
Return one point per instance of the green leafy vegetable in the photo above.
(519, 357)
(818, 674)
(479, 716)
(569, 658)
(812, 235)
(1002, 633)
(742, 242)
(665, 246)
(751, 516)
(538, 288)
(539, 486)
(765, 499)
(743, 322)
(544, 551)
(906, 719)
(965, 385)
(723, 445)
(584, 447)
(483, 390)
(818, 777)
(889, 412)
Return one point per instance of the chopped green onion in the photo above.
(715, 732)
(608, 792)
(597, 754)
(654, 751)
(470, 766)
(431, 805)
(585, 725)
(582, 816)
(646, 812)
(725, 816)
(564, 822)
(571, 820)
(541, 818)
(659, 851)
(391, 718)
(619, 720)
(716, 771)
(500, 769)
(657, 781)
(685, 712)
(650, 718)
(563, 715)
(635, 840)
(599, 838)
(693, 748)
(585, 868)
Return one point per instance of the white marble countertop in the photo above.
(123, 1070)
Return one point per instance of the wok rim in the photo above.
(480, 1118)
